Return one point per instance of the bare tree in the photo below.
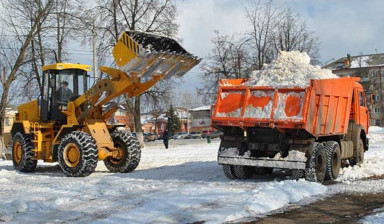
(263, 17)
(291, 34)
(13, 58)
(229, 59)
(115, 16)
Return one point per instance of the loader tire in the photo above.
(359, 158)
(316, 164)
(129, 151)
(228, 171)
(243, 172)
(22, 153)
(78, 154)
(333, 153)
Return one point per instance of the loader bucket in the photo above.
(146, 54)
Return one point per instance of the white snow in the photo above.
(376, 218)
(207, 107)
(183, 184)
(360, 62)
(373, 164)
(290, 69)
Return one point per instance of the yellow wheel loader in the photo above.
(67, 123)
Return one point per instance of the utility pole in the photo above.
(95, 75)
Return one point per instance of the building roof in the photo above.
(206, 107)
(359, 61)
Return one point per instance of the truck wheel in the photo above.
(129, 153)
(77, 154)
(359, 159)
(22, 153)
(228, 171)
(332, 149)
(297, 174)
(316, 164)
(262, 170)
(243, 172)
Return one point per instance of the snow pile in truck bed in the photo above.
(290, 69)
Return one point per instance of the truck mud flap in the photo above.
(273, 163)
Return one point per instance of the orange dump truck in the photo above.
(311, 131)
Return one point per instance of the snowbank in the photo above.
(183, 184)
(288, 70)
(373, 164)
(375, 218)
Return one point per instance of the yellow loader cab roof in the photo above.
(64, 66)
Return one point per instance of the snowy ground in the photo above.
(180, 185)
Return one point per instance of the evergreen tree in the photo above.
(173, 121)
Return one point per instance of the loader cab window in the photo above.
(60, 87)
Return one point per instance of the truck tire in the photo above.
(262, 170)
(332, 149)
(316, 164)
(130, 153)
(243, 172)
(228, 171)
(359, 158)
(77, 154)
(297, 174)
(22, 153)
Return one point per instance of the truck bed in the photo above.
(322, 108)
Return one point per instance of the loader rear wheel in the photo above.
(22, 153)
(129, 153)
(78, 154)
(228, 171)
(243, 172)
(332, 149)
(316, 164)
(359, 158)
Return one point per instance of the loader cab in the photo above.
(62, 82)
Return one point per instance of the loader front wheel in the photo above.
(22, 153)
(78, 154)
(129, 153)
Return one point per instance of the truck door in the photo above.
(363, 110)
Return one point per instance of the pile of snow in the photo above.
(290, 69)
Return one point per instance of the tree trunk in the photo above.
(137, 118)
(3, 105)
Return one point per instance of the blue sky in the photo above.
(343, 26)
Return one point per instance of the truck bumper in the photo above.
(265, 162)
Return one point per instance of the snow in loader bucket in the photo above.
(145, 54)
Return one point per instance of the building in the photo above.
(370, 68)
(201, 118)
